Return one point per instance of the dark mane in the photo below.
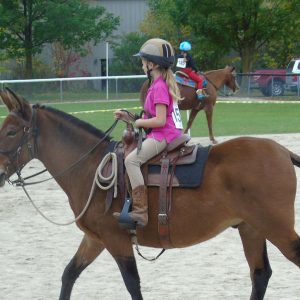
(75, 121)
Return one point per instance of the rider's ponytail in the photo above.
(168, 76)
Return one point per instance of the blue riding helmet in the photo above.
(185, 46)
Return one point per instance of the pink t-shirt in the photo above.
(158, 93)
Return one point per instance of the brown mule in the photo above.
(248, 182)
(216, 79)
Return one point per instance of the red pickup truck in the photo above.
(269, 82)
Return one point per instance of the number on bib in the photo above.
(177, 117)
(181, 63)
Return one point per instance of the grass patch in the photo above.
(228, 119)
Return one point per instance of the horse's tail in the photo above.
(295, 159)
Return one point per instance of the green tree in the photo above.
(233, 26)
(169, 19)
(163, 20)
(279, 51)
(124, 62)
(243, 26)
(27, 25)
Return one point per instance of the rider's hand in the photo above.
(137, 123)
(118, 114)
(122, 115)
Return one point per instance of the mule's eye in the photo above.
(11, 133)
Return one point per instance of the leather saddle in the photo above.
(178, 152)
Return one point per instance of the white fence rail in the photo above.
(127, 87)
(60, 81)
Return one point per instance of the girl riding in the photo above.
(185, 64)
(161, 120)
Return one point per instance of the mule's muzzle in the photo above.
(2, 177)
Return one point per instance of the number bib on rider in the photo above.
(177, 117)
(181, 63)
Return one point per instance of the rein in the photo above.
(21, 181)
(216, 88)
(98, 174)
(95, 182)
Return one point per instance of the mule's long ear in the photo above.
(4, 96)
(18, 104)
(15, 100)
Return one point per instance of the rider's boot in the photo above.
(201, 94)
(139, 212)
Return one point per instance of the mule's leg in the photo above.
(256, 254)
(122, 252)
(129, 271)
(88, 250)
(193, 114)
(209, 116)
(276, 220)
(287, 241)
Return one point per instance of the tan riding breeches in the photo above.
(133, 161)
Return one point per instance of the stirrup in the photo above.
(200, 95)
(124, 219)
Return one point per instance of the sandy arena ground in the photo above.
(33, 255)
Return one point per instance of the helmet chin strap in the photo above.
(149, 73)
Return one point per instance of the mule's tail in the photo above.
(295, 159)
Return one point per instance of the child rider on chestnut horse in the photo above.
(185, 64)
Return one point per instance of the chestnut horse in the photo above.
(249, 183)
(216, 79)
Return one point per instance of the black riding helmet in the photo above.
(158, 51)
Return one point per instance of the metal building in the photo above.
(131, 13)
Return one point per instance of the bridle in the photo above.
(218, 88)
(29, 138)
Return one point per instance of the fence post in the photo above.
(116, 87)
(61, 90)
(249, 83)
(187, 118)
(106, 70)
(298, 85)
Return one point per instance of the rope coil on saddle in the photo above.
(110, 180)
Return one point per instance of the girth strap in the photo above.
(163, 221)
(121, 174)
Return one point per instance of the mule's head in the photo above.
(16, 137)
(231, 79)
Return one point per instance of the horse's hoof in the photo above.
(214, 142)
